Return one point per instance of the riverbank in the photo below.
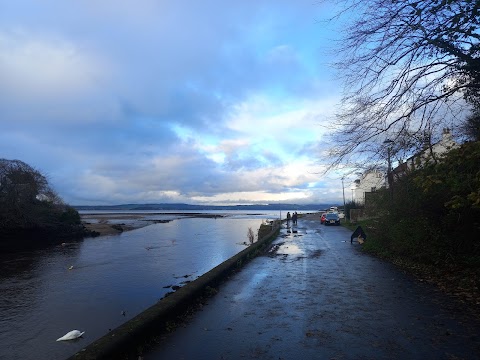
(113, 224)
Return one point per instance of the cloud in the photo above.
(36, 69)
(157, 101)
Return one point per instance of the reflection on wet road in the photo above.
(316, 296)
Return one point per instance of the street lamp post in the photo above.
(343, 190)
(388, 142)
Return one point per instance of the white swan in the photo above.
(74, 334)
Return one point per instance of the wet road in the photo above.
(319, 297)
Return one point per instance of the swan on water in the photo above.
(74, 334)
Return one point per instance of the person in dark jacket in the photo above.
(358, 232)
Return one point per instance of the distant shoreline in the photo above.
(190, 207)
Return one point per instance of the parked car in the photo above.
(332, 219)
(322, 218)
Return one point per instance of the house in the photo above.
(370, 181)
(429, 154)
(373, 180)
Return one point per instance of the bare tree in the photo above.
(250, 235)
(408, 67)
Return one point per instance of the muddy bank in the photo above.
(114, 223)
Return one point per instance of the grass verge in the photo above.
(459, 280)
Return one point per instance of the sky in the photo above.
(153, 101)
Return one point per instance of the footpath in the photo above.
(316, 296)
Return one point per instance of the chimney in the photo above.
(446, 135)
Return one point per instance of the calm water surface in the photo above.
(41, 299)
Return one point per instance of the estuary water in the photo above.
(99, 283)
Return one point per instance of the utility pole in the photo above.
(388, 142)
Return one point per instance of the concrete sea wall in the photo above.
(124, 341)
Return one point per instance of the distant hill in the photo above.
(297, 207)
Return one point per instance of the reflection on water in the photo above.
(99, 283)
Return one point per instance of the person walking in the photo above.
(294, 218)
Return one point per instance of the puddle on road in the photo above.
(285, 249)
(289, 249)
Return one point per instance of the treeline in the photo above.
(31, 213)
(432, 216)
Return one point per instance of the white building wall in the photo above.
(444, 145)
(375, 179)
(369, 182)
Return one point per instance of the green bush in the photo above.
(434, 214)
(349, 206)
(70, 216)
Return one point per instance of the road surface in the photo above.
(320, 297)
